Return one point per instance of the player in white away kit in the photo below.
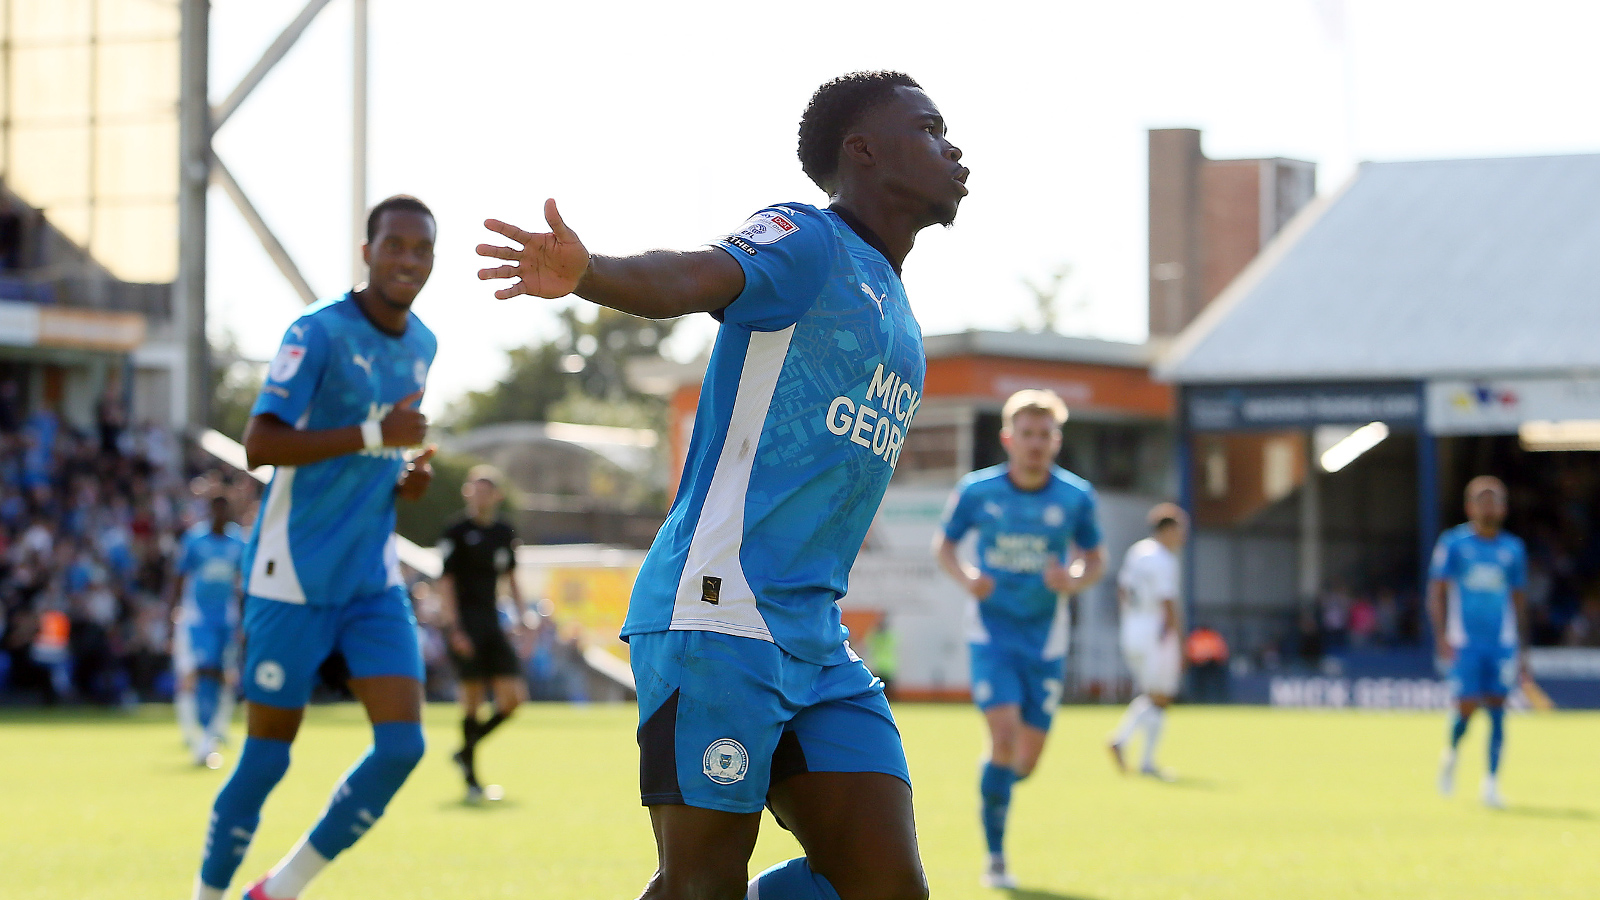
(1147, 591)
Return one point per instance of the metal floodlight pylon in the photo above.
(199, 167)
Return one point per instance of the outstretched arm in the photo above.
(662, 284)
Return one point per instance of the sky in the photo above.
(660, 124)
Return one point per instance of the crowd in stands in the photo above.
(88, 526)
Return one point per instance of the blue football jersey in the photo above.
(211, 565)
(813, 381)
(1481, 573)
(1018, 532)
(325, 534)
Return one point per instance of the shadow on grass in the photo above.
(483, 806)
(1033, 894)
(77, 715)
(1548, 812)
(1197, 783)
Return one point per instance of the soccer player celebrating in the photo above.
(748, 692)
(1147, 593)
(338, 406)
(1477, 603)
(478, 547)
(1031, 517)
(206, 585)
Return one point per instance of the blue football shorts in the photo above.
(723, 718)
(202, 644)
(285, 643)
(1480, 671)
(1002, 675)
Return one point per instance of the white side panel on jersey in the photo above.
(391, 563)
(182, 649)
(1056, 643)
(1455, 630)
(1508, 624)
(976, 633)
(272, 574)
(719, 533)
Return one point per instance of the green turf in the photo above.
(1271, 804)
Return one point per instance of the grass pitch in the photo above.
(1270, 804)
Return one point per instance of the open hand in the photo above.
(549, 264)
(418, 475)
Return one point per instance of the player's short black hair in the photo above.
(399, 202)
(833, 109)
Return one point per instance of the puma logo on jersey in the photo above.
(867, 289)
(365, 362)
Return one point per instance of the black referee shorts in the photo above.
(492, 657)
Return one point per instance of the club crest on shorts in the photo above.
(726, 761)
(269, 676)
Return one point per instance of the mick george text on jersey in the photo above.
(879, 421)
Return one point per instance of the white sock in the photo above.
(1153, 720)
(203, 891)
(189, 721)
(295, 872)
(1131, 719)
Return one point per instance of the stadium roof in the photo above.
(1037, 345)
(1465, 268)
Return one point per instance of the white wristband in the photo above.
(372, 435)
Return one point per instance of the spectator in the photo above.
(1363, 622)
(1207, 655)
(1583, 630)
(1386, 617)
(87, 531)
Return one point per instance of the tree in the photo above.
(580, 376)
(236, 381)
(1047, 297)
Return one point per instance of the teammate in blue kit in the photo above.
(206, 585)
(338, 406)
(1477, 602)
(1038, 544)
(748, 693)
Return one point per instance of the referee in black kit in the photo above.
(478, 547)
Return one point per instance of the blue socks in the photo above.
(1497, 736)
(207, 694)
(1458, 727)
(995, 788)
(792, 880)
(237, 809)
(360, 799)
